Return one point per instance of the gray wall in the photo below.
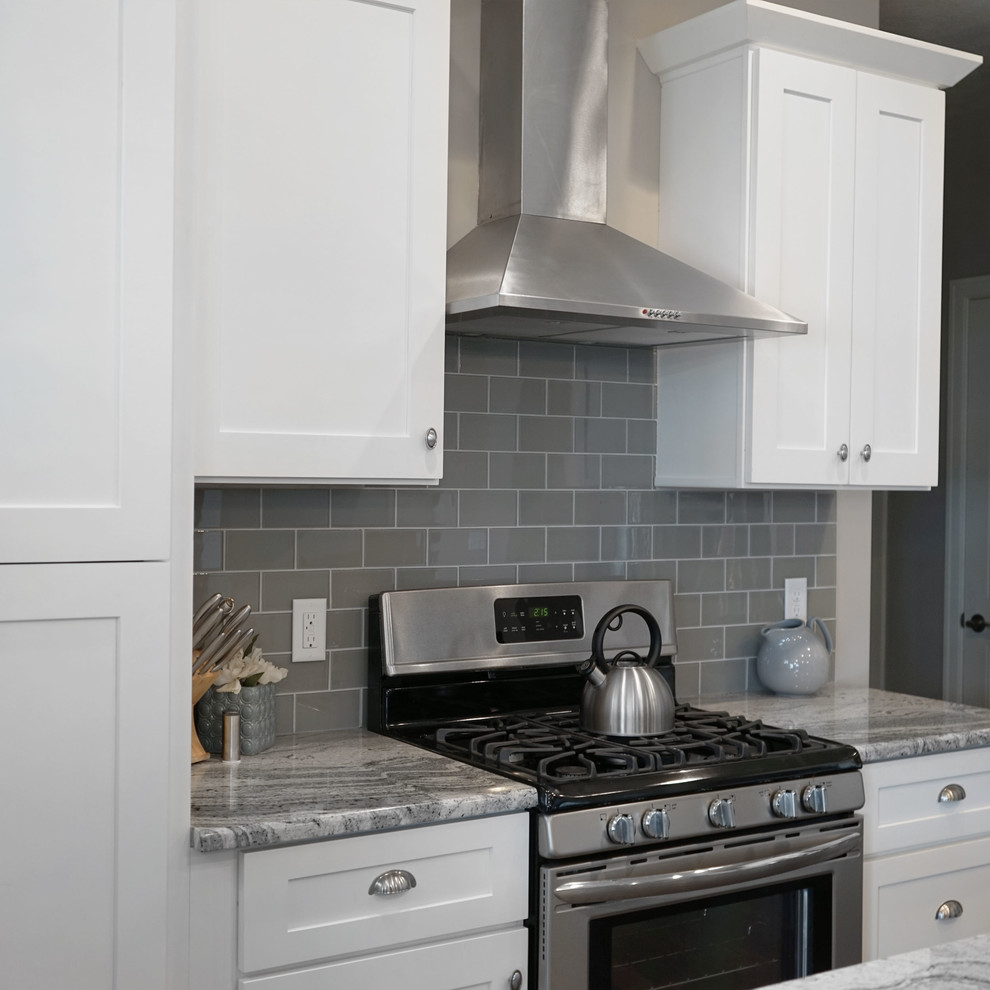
(908, 603)
(549, 463)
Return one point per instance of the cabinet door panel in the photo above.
(902, 895)
(317, 163)
(802, 262)
(898, 286)
(485, 962)
(316, 901)
(85, 785)
(86, 111)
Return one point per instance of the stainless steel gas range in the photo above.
(720, 852)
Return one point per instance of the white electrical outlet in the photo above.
(796, 598)
(309, 629)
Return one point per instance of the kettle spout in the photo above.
(594, 674)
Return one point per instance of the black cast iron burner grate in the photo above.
(553, 748)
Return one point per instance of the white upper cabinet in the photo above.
(86, 172)
(313, 163)
(811, 177)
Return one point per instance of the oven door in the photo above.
(743, 912)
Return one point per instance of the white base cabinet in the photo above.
(85, 726)
(926, 851)
(316, 915)
(312, 181)
(801, 160)
(482, 962)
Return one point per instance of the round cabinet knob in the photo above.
(431, 438)
(843, 452)
(515, 981)
(656, 823)
(814, 798)
(866, 453)
(622, 829)
(784, 804)
(721, 813)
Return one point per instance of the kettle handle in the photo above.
(606, 623)
(821, 625)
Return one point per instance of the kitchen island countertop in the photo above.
(325, 784)
(882, 725)
(965, 963)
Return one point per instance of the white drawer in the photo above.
(484, 962)
(903, 809)
(308, 902)
(902, 893)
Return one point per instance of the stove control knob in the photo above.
(721, 813)
(784, 804)
(622, 829)
(656, 823)
(814, 798)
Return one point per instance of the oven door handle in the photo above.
(708, 878)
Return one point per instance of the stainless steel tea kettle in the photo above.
(625, 696)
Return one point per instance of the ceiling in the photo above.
(961, 24)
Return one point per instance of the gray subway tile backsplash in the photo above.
(291, 508)
(548, 476)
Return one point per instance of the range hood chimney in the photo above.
(542, 262)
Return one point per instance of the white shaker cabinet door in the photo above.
(84, 661)
(86, 186)
(313, 138)
(802, 242)
(893, 434)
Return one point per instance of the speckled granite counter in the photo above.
(324, 784)
(953, 966)
(320, 785)
(882, 725)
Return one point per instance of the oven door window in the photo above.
(733, 942)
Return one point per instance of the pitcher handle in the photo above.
(821, 625)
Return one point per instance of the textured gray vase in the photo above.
(255, 705)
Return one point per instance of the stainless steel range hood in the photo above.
(542, 263)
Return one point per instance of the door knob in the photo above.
(975, 622)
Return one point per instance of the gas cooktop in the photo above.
(571, 767)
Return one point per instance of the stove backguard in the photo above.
(442, 653)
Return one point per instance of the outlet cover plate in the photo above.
(309, 629)
(796, 598)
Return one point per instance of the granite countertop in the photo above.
(882, 725)
(952, 966)
(325, 784)
(320, 785)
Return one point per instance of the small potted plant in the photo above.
(245, 684)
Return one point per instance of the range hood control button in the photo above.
(814, 798)
(622, 829)
(656, 823)
(721, 813)
(784, 804)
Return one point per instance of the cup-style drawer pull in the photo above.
(393, 882)
(951, 792)
(950, 909)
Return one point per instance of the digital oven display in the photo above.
(533, 620)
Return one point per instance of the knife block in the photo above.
(200, 685)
